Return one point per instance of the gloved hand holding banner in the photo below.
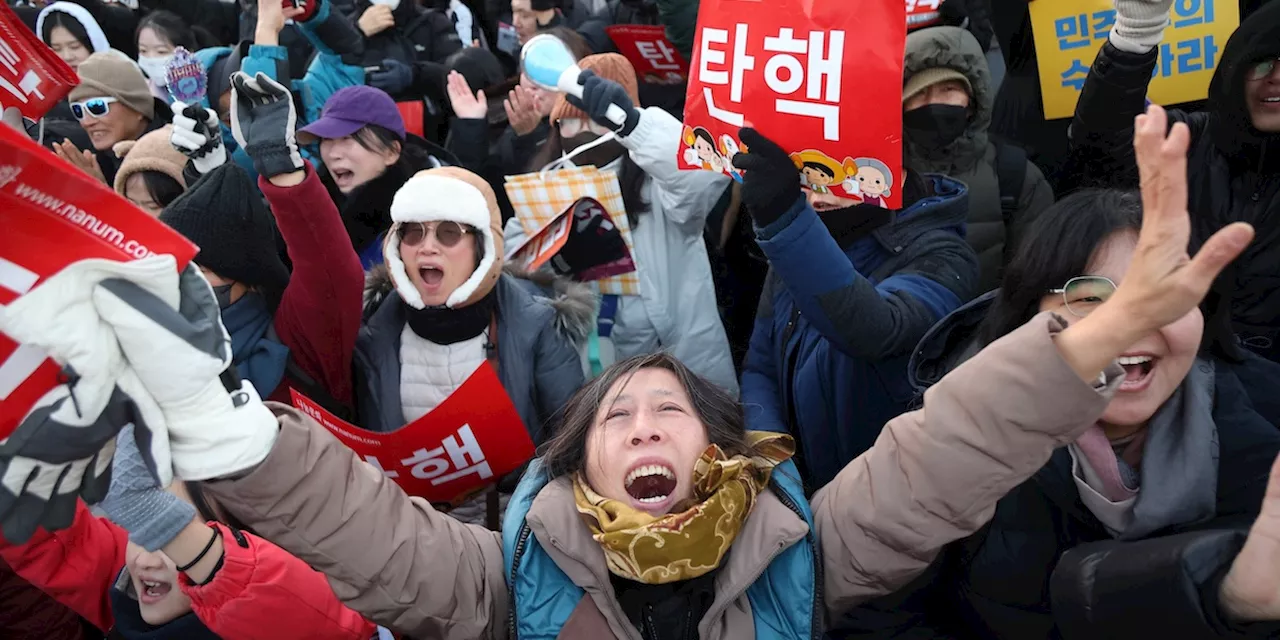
(53, 217)
(822, 79)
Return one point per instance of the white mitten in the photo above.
(1139, 24)
(691, 157)
(61, 451)
(181, 353)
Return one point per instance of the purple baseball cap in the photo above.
(349, 109)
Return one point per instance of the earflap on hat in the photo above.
(455, 195)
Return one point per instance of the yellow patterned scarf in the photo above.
(692, 539)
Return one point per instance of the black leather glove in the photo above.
(597, 95)
(770, 180)
(264, 121)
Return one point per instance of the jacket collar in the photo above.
(946, 209)
(554, 520)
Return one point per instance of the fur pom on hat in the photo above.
(456, 195)
(611, 66)
(151, 152)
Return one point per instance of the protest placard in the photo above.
(821, 79)
(650, 52)
(465, 444)
(1069, 33)
(32, 76)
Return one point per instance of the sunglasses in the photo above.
(96, 107)
(1263, 69)
(447, 233)
(1083, 294)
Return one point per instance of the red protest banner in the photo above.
(464, 445)
(821, 80)
(923, 13)
(32, 76)
(55, 215)
(650, 52)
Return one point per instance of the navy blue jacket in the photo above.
(835, 326)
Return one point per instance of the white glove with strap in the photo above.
(1140, 24)
(61, 452)
(218, 426)
(196, 133)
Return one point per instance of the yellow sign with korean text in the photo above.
(1069, 34)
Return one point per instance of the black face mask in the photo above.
(222, 293)
(599, 155)
(935, 126)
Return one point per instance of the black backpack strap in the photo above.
(1011, 172)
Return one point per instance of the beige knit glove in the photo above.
(1139, 24)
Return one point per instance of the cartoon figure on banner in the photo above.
(874, 181)
(702, 152)
(818, 171)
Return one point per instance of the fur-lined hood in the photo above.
(575, 303)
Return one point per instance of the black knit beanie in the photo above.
(223, 213)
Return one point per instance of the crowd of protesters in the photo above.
(1037, 400)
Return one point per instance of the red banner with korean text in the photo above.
(650, 52)
(465, 444)
(821, 79)
(53, 215)
(32, 77)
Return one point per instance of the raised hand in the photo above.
(264, 121)
(272, 16)
(522, 110)
(181, 353)
(82, 160)
(1163, 283)
(197, 135)
(466, 105)
(770, 180)
(376, 19)
(1251, 589)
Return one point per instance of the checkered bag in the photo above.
(538, 198)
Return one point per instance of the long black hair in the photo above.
(162, 188)
(1060, 244)
(66, 21)
(630, 177)
(169, 26)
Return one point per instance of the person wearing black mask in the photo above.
(851, 288)
(947, 100)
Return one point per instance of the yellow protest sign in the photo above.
(1069, 34)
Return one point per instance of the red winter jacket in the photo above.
(319, 313)
(261, 592)
(27, 613)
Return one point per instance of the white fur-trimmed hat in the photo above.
(447, 194)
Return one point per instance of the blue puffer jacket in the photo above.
(835, 327)
(330, 34)
(786, 598)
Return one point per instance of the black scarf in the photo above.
(366, 211)
(442, 325)
(850, 224)
(131, 626)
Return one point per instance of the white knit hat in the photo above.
(447, 194)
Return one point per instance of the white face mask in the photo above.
(394, 4)
(156, 68)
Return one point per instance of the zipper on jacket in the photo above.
(815, 623)
(790, 361)
(521, 542)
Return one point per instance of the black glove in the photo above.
(597, 95)
(263, 121)
(393, 78)
(770, 180)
